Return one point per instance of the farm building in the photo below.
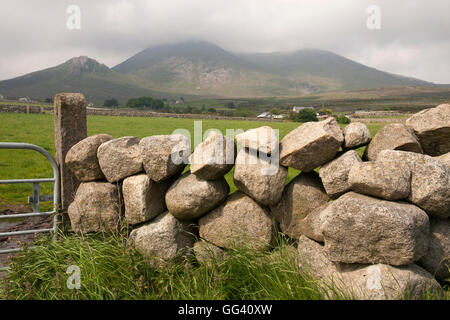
(297, 109)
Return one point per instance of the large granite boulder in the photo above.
(191, 197)
(259, 177)
(82, 158)
(311, 225)
(334, 174)
(120, 158)
(361, 229)
(144, 199)
(387, 179)
(430, 181)
(356, 135)
(213, 158)
(432, 127)
(96, 208)
(363, 282)
(437, 259)
(164, 156)
(301, 196)
(445, 159)
(394, 136)
(264, 139)
(311, 145)
(238, 223)
(163, 238)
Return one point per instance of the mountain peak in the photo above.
(194, 51)
(84, 64)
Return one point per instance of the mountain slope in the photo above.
(204, 68)
(200, 69)
(344, 73)
(195, 67)
(96, 81)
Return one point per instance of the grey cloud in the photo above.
(414, 38)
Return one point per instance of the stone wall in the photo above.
(25, 109)
(376, 227)
(130, 113)
(143, 113)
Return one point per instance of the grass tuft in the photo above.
(111, 270)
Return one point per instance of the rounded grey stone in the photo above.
(96, 208)
(356, 135)
(311, 145)
(259, 177)
(191, 197)
(362, 229)
(334, 174)
(164, 156)
(300, 197)
(238, 223)
(432, 127)
(120, 158)
(394, 136)
(82, 158)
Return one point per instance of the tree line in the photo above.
(161, 105)
(230, 110)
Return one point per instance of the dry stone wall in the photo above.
(377, 228)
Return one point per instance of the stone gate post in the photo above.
(70, 128)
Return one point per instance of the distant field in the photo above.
(404, 99)
(38, 129)
(16, 103)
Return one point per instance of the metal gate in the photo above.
(36, 198)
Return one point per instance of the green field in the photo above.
(111, 269)
(38, 129)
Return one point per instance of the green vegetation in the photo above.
(17, 103)
(306, 115)
(111, 270)
(146, 103)
(243, 113)
(342, 120)
(325, 111)
(111, 103)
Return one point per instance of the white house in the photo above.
(265, 115)
(297, 109)
(24, 99)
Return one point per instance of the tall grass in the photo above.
(112, 270)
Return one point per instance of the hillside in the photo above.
(81, 74)
(327, 70)
(197, 70)
(206, 69)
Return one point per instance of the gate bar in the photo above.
(56, 193)
(25, 180)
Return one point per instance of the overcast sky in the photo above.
(414, 39)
